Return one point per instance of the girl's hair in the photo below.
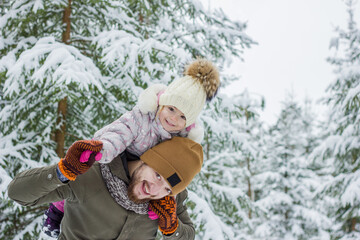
(160, 108)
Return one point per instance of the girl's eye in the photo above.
(169, 191)
(171, 109)
(158, 176)
(183, 117)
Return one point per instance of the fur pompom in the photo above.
(148, 99)
(207, 74)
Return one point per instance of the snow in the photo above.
(4, 180)
(213, 224)
(295, 179)
(38, 5)
(62, 63)
(351, 194)
(30, 227)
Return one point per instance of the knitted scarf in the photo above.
(118, 190)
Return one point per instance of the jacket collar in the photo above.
(119, 166)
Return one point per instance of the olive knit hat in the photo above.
(177, 160)
(189, 93)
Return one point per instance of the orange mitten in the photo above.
(165, 208)
(71, 166)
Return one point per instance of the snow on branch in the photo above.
(121, 46)
(54, 63)
(213, 224)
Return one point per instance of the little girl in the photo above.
(161, 113)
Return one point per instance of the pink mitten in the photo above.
(84, 157)
(152, 215)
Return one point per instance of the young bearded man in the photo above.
(129, 198)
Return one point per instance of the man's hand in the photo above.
(71, 166)
(165, 208)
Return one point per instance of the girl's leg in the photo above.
(52, 219)
(59, 205)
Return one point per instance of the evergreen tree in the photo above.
(68, 68)
(287, 183)
(340, 148)
(233, 131)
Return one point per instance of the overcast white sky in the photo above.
(293, 37)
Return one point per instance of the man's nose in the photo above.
(155, 188)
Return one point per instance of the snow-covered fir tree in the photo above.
(287, 183)
(68, 68)
(340, 149)
(231, 147)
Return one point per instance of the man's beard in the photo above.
(132, 195)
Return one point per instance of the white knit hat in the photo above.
(189, 93)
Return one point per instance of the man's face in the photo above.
(146, 184)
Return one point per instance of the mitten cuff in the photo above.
(170, 230)
(66, 171)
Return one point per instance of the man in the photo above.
(112, 201)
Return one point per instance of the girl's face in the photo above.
(172, 119)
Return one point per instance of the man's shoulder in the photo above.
(180, 197)
(91, 178)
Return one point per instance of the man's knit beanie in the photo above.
(177, 160)
(189, 93)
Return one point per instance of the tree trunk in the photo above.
(207, 149)
(61, 123)
(62, 104)
(249, 192)
(66, 21)
(353, 224)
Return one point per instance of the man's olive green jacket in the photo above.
(90, 211)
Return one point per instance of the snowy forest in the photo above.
(68, 68)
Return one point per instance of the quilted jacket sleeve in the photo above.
(117, 136)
